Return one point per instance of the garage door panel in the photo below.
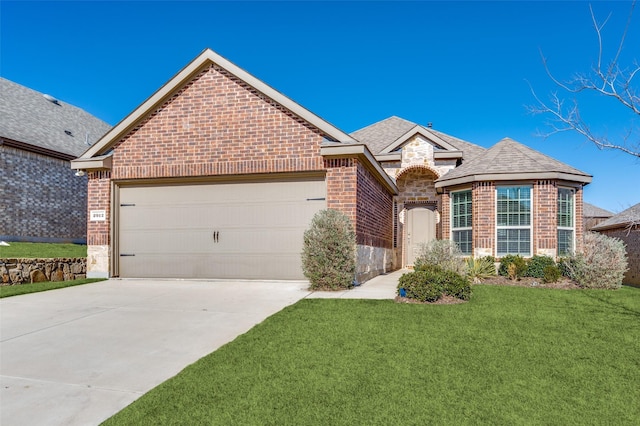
(241, 230)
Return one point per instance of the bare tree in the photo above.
(610, 80)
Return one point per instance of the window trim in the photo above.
(573, 220)
(451, 221)
(531, 221)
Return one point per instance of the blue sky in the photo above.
(464, 66)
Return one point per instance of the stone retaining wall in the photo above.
(23, 271)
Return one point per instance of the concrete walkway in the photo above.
(380, 287)
(78, 355)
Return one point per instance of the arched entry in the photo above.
(420, 229)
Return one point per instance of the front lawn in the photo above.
(18, 289)
(42, 250)
(512, 355)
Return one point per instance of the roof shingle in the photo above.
(27, 116)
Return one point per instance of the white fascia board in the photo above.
(394, 156)
(95, 163)
(361, 151)
(417, 130)
(447, 155)
(206, 58)
(513, 177)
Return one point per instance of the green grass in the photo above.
(42, 250)
(511, 356)
(16, 290)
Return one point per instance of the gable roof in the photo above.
(389, 134)
(510, 160)
(589, 210)
(203, 60)
(623, 219)
(31, 121)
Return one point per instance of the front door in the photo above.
(421, 228)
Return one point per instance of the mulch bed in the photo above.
(562, 284)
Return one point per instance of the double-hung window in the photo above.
(566, 223)
(461, 225)
(513, 220)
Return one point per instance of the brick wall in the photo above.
(99, 199)
(631, 238)
(374, 225)
(217, 125)
(545, 221)
(483, 219)
(40, 198)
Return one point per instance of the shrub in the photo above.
(430, 282)
(601, 263)
(478, 269)
(568, 266)
(442, 253)
(328, 253)
(537, 264)
(418, 286)
(551, 274)
(518, 269)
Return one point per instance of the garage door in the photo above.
(231, 230)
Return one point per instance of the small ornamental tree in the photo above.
(329, 251)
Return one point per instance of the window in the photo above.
(566, 227)
(513, 220)
(461, 225)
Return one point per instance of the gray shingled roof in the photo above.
(621, 220)
(508, 158)
(589, 210)
(380, 135)
(27, 117)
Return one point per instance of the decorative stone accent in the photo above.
(372, 261)
(23, 271)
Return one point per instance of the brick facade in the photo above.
(41, 198)
(217, 124)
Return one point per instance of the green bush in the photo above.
(518, 269)
(329, 251)
(442, 253)
(481, 268)
(601, 263)
(418, 285)
(551, 274)
(567, 266)
(536, 266)
(430, 282)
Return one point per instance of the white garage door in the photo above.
(227, 230)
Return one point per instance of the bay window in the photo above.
(566, 223)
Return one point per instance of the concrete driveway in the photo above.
(78, 355)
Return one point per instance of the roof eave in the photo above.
(418, 130)
(103, 162)
(206, 58)
(488, 177)
(361, 152)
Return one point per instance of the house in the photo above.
(593, 215)
(217, 175)
(42, 200)
(626, 226)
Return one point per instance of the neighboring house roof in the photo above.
(389, 134)
(623, 219)
(510, 160)
(589, 210)
(31, 121)
(205, 59)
